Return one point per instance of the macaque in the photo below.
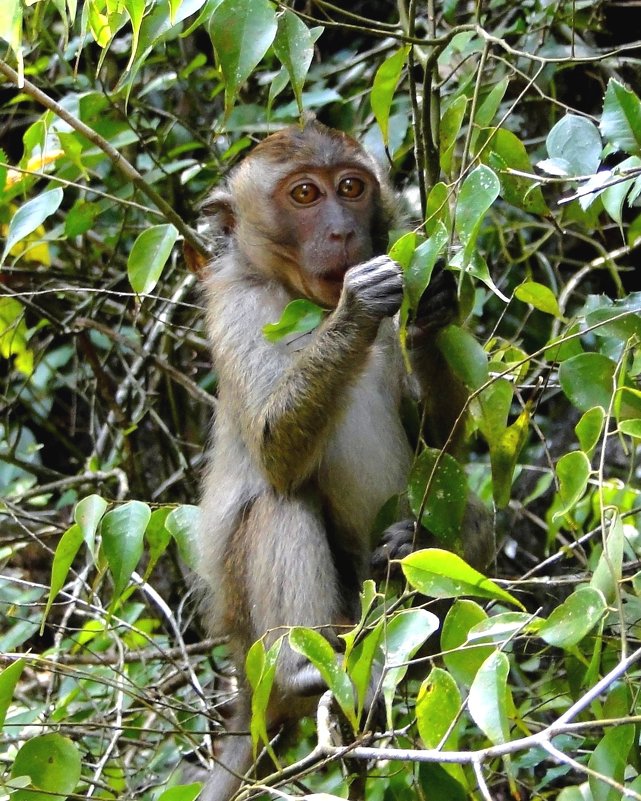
(308, 439)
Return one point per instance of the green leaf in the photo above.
(575, 618)
(88, 514)
(490, 698)
(450, 127)
(614, 196)
(241, 32)
(294, 48)
(148, 256)
(80, 218)
(29, 216)
(609, 759)
(11, 25)
(621, 118)
(631, 427)
(384, 87)
(443, 507)
(539, 296)
(404, 634)
(261, 670)
(507, 152)
(122, 532)
(573, 471)
(504, 453)
(574, 144)
(136, 10)
(437, 211)
(609, 569)
(53, 764)
(184, 792)
(491, 409)
(8, 680)
(320, 653)
(419, 271)
(437, 784)
(442, 574)
(63, 558)
(464, 355)
(480, 189)
(14, 335)
(620, 319)
(403, 249)
(588, 380)
(438, 704)
(462, 658)
(298, 317)
(589, 428)
(490, 105)
(157, 536)
(182, 523)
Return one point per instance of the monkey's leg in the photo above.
(235, 759)
(291, 581)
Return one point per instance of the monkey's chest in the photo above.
(368, 456)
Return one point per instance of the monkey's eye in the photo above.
(351, 188)
(305, 193)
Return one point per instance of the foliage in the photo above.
(514, 132)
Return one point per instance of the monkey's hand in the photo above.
(397, 541)
(437, 308)
(373, 290)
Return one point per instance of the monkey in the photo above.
(308, 439)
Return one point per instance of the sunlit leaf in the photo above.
(570, 622)
(182, 523)
(480, 189)
(53, 764)
(149, 255)
(8, 681)
(609, 569)
(88, 514)
(29, 216)
(589, 428)
(299, 317)
(260, 666)
(14, 334)
(404, 634)
(320, 653)
(437, 706)
(539, 296)
(384, 87)
(621, 118)
(489, 698)
(573, 471)
(504, 452)
(442, 574)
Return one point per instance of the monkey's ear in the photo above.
(195, 260)
(218, 213)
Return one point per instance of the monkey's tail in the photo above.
(234, 761)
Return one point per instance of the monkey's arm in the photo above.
(286, 405)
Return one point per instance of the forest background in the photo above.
(512, 131)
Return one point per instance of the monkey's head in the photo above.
(306, 205)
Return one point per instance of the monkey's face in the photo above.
(326, 216)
